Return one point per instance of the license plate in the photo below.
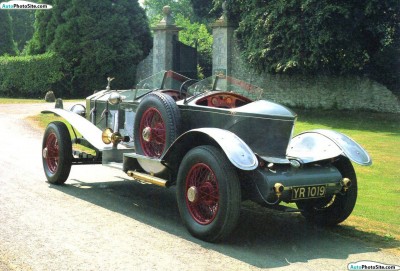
(308, 192)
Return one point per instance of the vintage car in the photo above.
(217, 141)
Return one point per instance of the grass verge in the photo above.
(28, 101)
(376, 216)
(20, 101)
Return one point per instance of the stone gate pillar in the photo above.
(222, 45)
(165, 35)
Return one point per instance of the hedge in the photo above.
(29, 76)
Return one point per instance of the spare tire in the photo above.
(157, 124)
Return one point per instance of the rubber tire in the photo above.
(169, 113)
(65, 152)
(229, 203)
(342, 206)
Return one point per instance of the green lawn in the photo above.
(27, 101)
(379, 184)
(20, 101)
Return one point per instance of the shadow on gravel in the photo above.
(264, 238)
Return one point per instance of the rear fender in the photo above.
(317, 145)
(87, 129)
(236, 150)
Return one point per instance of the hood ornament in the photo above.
(109, 79)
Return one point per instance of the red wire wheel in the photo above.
(152, 128)
(157, 124)
(208, 193)
(202, 194)
(51, 153)
(57, 152)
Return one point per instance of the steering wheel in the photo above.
(184, 87)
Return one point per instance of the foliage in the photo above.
(310, 36)
(6, 41)
(45, 26)
(197, 10)
(29, 76)
(39, 42)
(200, 11)
(22, 26)
(195, 32)
(197, 35)
(203, 10)
(96, 39)
(154, 9)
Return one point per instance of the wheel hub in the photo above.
(146, 134)
(192, 194)
(44, 153)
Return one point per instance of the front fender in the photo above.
(322, 144)
(237, 151)
(87, 129)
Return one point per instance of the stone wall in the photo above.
(145, 68)
(344, 93)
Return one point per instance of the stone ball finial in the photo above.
(224, 17)
(224, 6)
(166, 10)
(168, 20)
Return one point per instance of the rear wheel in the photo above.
(333, 210)
(157, 124)
(57, 152)
(208, 194)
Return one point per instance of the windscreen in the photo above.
(160, 80)
(228, 84)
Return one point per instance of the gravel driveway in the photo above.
(99, 220)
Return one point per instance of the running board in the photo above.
(148, 164)
(147, 178)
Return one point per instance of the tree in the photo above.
(6, 41)
(22, 26)
(195, 32)
(45, 26)
(154, 9)
(96, 39)
(204, 11)
(197, 35)
(319, 36)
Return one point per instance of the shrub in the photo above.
(320, 37)
(6, 41)
(29, 76)
(96, 38)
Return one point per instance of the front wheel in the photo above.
(208, 194)
(334, 210)
(57, 152)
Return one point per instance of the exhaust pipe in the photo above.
(147, 178)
